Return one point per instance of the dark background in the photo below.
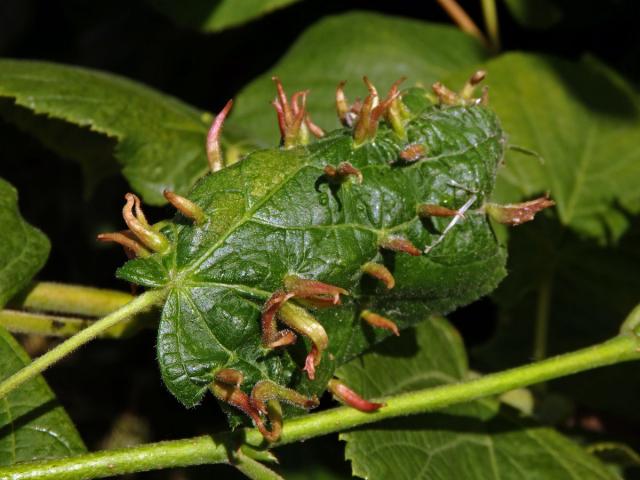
(120, 388)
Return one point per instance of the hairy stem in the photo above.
(138, 305)
(490, 14)
(463, 20)
(218, 449)
(71, 299)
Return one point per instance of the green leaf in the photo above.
(346, 47)
(217, 15)
(584, 121)
(275, 213)
(535, 13)
(160, 139)
(32, 424)
(478, 440)
(23, 248)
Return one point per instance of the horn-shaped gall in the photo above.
(231, 394)
(343, 171)
(413, 152)
(138, 225)
(400, 244)
(318, 293)
(125, 238)
(372, 111)
(293, 120)
(214, 152)
(271, 336)
(347, 396)
(300, 320)
(186, 207)
(457, 216)
(378, 321)
(429, 210)
(266, 390)
(379, 271)
(469, 88)
(518, 213)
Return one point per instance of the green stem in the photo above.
(41, 324)
(491, 22)
(138, 305)
(57, 326)
(217, 449)
(463, 20)
(71, 299)
(253, 469)
(543, 310)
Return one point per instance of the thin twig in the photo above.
(463, 20)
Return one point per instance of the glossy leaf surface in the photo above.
(478, 440)
(275, 214)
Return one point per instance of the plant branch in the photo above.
(253, 469)
(219, 448)
(58, 326)
(463, 20)
(71, 299)
(490, 14)
(543, 310)
(138, 305)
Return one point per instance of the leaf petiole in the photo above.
(138, 305)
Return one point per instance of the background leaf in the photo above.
(23, 248)
(582, 118)
(479, 440)
(160, 139)
(32, 423)
(584, 121)
(346, 47)
(216, 15)
(534, 13)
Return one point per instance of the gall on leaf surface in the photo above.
(477, 440)
(344, 48)
(275, 214)
(23, 248)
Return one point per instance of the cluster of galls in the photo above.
(141, 239)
